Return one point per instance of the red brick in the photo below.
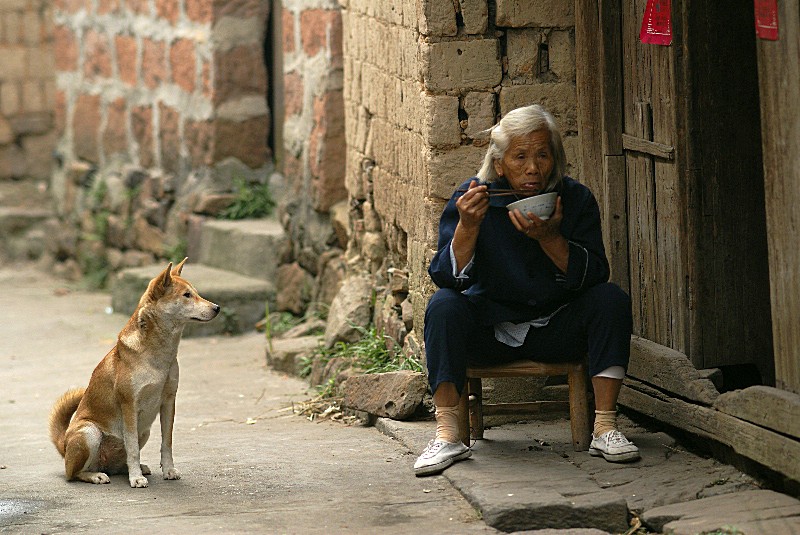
(326, 158)
(108, 6)
(154, 64)
(126, 58)
(246, 140)
(199, 137)
(86, 126)
(167, 9)
(142, 123)
(199, 10)
(96, 55)
(115, 136)
(239, 71)
(183, 60)
(314, 27)
(292, 94)
(72, 6)
(66, 49)
(170, 138)
(139, 6)
(288, 31)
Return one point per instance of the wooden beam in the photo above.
(658, 150)
(764, 406)
(766, 447)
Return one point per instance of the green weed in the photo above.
(252, 201)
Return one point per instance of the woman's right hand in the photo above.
(472, 206)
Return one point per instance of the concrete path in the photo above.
(248, 464)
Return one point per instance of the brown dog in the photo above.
(135, 381)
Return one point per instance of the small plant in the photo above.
(328, 389)
(230, 320)
(252, 201)
(370, 353)
(177, 252)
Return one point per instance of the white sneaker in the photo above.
(614, 447)
(438, 455)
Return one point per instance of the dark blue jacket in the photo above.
(511, 278)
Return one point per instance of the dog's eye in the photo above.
(187, 294)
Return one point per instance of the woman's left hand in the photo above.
(535, 228)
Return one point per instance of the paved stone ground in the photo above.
(249, 465)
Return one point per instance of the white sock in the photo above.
(447, 424)
(604, 421)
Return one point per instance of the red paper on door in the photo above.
(767, 19)
(657, 23)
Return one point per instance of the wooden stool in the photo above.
(472, 408)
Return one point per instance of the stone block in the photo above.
(441, 121)
(12, 162)
(542, 13)
(199, 10)
(558, 98)
(148, 237)
(475, 14)
(245, 140)
(169, 134)
(351, 308)
(239, 71)
(561, 49)
(437, 18)
(38, 153)
(9, 98)
(461, 65)
(6, 132)
(142, 126)
(448, 169)
(285, 354)
(168, 10)
(115, 134)
(393, 395)
(320, 30)
(15, 61)
(479, 107)
(294, 288)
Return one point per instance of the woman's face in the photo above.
(527, 162)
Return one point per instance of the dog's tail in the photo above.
(61, 414)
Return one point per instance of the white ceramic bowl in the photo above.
(540, 205)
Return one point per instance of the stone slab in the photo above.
(250, 247)
(243, 299)
(393, 394)
(751, 512)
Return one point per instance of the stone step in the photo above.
(251, 247)
(243, 299)
(23, 236)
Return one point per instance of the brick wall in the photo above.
(422, 79)
(171, 84)
(27, 89)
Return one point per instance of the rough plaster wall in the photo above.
(423, 79)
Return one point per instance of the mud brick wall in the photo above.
(170, 84)
(27, 89)
(422, 80)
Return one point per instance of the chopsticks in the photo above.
(499, 192)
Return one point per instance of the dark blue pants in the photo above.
(597, 324)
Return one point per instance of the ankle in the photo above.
(447, 424)
(604, 421)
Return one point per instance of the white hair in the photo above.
(521, 122)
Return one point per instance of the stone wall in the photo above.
(27, 89)
(313, 159)
(160, 106)
(423, 79)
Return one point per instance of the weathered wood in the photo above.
(779, 79)
(658, 150)
(771, 449)
(764, 406)
(589, 105)
(529, 407)
(669, 370)
(523, 368)
(616, 223)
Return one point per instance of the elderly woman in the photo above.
(514, 286)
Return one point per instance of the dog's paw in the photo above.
(138, 482)
(99, 478)
(145, 469)
(172, 474)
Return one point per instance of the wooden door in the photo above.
(656, 199)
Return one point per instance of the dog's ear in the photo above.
(162, 282)
(176, 271)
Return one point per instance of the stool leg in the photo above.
(463, 415)
(476, 408)
(579, 408)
